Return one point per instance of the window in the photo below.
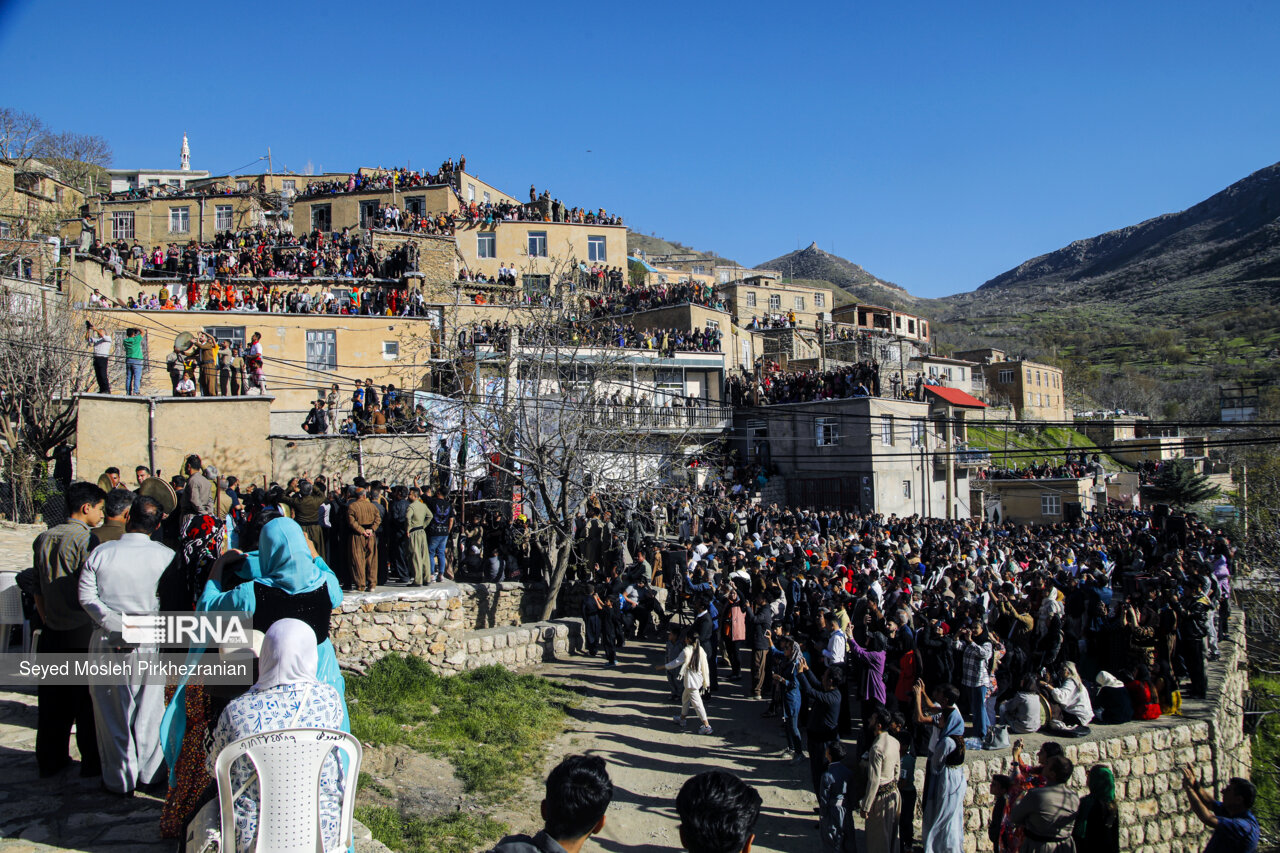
(775, 302)
(486, 245)
(122, 225)
(417, 205)
(289, 186)
(153, 182)
(799, 303)
(321, 217)
(906, 489)
(713, 324)
(1051, 504)
(819, 300)
(536, 285)
(1006, 377)
(179, 220)
(911, 327)
(242, 186)
(57, 195)
(390, 350)
(751, 299)
(917, 432)
(6, 230)
(1029, 379)
(322, 349)
(487, 199)
(222, 217)
(595, 249)
(537, 244)
(668, 385)
(227, 336)
(886, 430)
(1037, 377)
(471, 192)
(825, 431)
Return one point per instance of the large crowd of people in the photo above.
(776, 387)
(887, 641)
(629, 299)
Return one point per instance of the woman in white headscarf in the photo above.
(286, 695)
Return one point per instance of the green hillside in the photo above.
(1018, 448)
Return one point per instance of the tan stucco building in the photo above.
(1034, 390)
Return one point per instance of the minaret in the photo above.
(186, 153)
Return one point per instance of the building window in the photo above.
(6, 230)
(57, 195)
(911, 327)
(775, 302)
(537, 244)
(886, 430)
(487, 245)
(321, 217)
(471, 192)
(122, 225)
(751, 299)
(242, 186)
(179, 220)
(487, 199)
(906, 489)
(417, 205)
(1005, 377)
(713, 324)
(825, 431)
(227, 336)
(799, 303)
(1051, 504)
(1029, 378)
(322, 349)
(222, 217)
(595, 249)
(289, 186)
(390, 350)
(153, 182)
(819, 300)
(917, 432)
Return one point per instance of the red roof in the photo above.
(955, 396)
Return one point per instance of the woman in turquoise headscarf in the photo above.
(283, 579)
(1098, 821)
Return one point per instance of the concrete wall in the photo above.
(228, 432)
(392, 458)
(566, 245)
(1021, 500)
(289, 379)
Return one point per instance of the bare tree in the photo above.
(77, 156)
(556, 423)
(43, 365)
(21, 134)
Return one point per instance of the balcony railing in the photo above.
(963, 457)
(675, 418)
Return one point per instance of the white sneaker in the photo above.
(705, 730)
(679, 720)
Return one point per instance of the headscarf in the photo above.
(1102, 790)
(201, 546)
(283, 561)
(289, 655)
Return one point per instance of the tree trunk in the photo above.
(556, 580)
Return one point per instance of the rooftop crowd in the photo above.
(858, 380)
(629, 299)
(582, 334)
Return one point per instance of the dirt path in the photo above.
(627, 720)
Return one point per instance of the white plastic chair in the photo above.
(11, 612)
(288, 764)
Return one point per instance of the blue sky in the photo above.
(935, 143)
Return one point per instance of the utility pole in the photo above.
(270, 170)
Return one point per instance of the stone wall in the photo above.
(1146, 758)
(454, 627)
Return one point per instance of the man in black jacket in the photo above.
(824, 715)
(761, 617)
(578, 794)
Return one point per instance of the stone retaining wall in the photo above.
(454, 627)
(1146, 758)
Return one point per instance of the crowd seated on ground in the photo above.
(775, 387)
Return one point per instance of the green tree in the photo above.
(637, 273)
(1178, 483)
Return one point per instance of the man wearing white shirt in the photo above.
(121, 577)
(834, 656)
